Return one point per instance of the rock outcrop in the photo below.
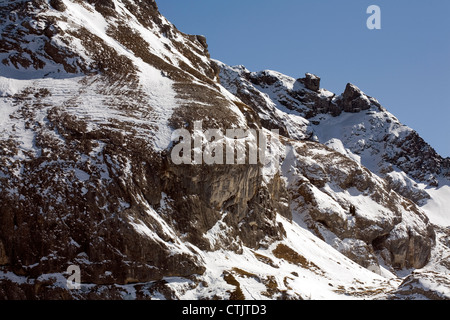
(381, 221)
(354, 100)
(96, 188)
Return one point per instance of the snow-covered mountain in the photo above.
(353, 124)
(91, 92)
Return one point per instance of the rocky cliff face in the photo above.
(91, 92)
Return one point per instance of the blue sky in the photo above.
(405, 65)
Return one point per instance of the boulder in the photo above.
(311, 82)
(354, 100)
